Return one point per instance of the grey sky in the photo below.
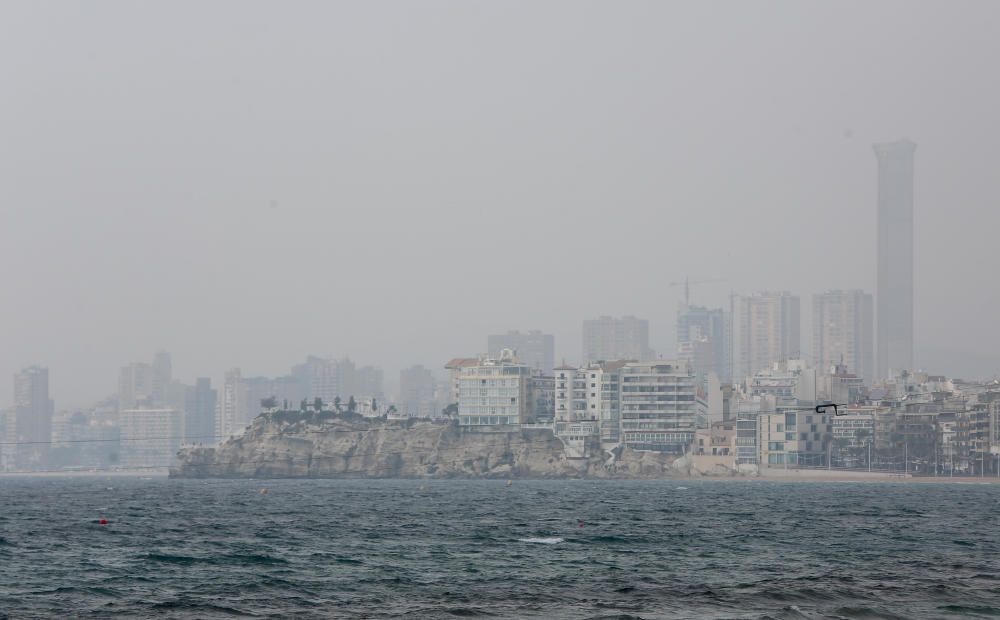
(243, 183)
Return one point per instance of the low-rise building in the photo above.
(793, 437)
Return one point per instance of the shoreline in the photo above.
(791, 475)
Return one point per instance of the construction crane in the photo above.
(687, 286)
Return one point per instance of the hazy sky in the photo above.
(243, 183)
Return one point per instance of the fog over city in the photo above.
(245, 183)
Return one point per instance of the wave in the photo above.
(542, 540)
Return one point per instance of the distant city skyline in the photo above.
(398, 207)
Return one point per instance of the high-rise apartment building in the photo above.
(843, 323)
(589, 394)
(533, 348)
(162, 376)
(765, 330)
(230, 418)
(135, 386)
(894, 295)
(704, 339)
(33, 411)
(368, 381)
(329, 378)
(607, 338)
(199, 412)
(417, 393)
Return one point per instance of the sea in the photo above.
(489, 549)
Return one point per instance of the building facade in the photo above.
(495, 392)
(793, 438)
(533, 348)
(843, 325)
(765, 330)
(704, 338)
(657, 406)
(150, 438)
(32, 417)
(607, 338)
(416, 393)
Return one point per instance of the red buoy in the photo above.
(103, 521)
(581, 523)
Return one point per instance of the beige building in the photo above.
(793, 438)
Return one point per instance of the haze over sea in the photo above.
(535, 549)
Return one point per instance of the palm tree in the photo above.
(318, 404)
(352, 405)
(336, 403)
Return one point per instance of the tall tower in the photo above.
(894, 303)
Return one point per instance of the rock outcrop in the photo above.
(293, 444)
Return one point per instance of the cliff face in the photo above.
(329, 445)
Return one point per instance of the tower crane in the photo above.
(686, 283)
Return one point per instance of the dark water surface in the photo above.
(325, 548)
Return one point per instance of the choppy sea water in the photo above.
(535, 549)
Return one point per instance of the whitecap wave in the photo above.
(542, 540)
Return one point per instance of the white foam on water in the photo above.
(543, 540)
(682, 488)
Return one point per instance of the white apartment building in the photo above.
(589, 394)
(495, 392)
(657, 406)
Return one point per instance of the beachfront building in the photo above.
(589, 394)
(793, 437)
(657, 406)
(495, 392)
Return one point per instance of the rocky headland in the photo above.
(296, 444)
